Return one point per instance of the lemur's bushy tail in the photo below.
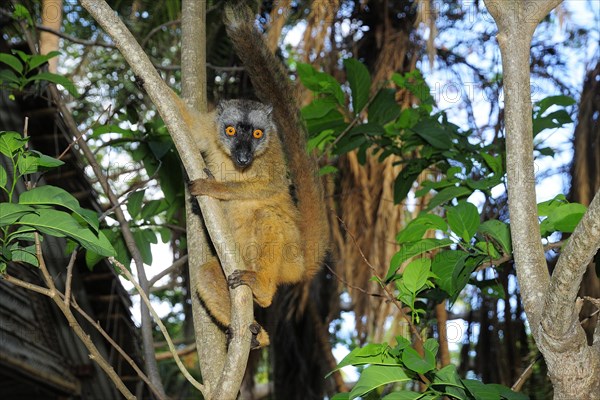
(272, 85)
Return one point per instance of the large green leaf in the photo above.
(10, 142)
(59, 223)
(320, 82)
(56, 79)
(383, 108)
(3, 177)
(413, 361)
(443, 266)
(403, 395)
(410, 250)
(416, 273)
(134, 203)
(12, 62)
(371, 353)
(433, 133)
(447, 194)
(417, 227)
(563, 219)
(499, 232)
(377, 375)
(360, 83)
(463, 220)
(11, 212)
(52, 195)
(481, 391)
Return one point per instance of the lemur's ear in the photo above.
(220, 107)
(268, 109)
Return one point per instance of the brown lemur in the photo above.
(249, 148)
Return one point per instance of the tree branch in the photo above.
(180, 119)
(163, 329)
(516, 23)
(560, 313)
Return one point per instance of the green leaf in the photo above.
(377, 375)
(417, 227)
(433, 133)
(56, 79)
(134, 203)
(318, 108)
(10, 142)
(143, 245)
(341, 396)
(12, 62)
(24, 254)
(488, 249)
(410, 250)
(547, 207)
(461, 274)
(21, 13)
(406, 178)
(508, 394)
(499, 232)
(10, 212)
(59, 223)
(371, 353)
(370, 128)
(481, 391)
(27, 163)
(431, 345)
(360, 83)
(327, 169)
(383, 108)
(38, 59)
(447, 194)
(320, 82)
(494, 162)
(450, 380)
(416, 273)
(52, 195)
(563, 219)
(153, 208)
(463, 220)
(443, 266)
(3, 177)
(413, 361)
(549, 101)
(403, 395)
(10, 81)
(46, 161)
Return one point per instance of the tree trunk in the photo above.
(550, 302)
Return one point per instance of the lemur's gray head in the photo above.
(244, 129)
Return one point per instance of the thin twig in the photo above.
(390, 296)
(69, 278)
(74, 39)
(159, 323)
(119, 349)
(95, 355)
(177, 264)
(518, 385)
(339, 278)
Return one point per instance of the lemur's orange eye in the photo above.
(257, 134)
(230, 131)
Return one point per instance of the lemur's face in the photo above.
(245, 128)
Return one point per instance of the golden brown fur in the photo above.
(280, 242)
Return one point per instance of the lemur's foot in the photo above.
(239, 277)
(260, 337)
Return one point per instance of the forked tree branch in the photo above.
(550, 303)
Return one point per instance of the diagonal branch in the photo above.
(180, 119)
(572, 264)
